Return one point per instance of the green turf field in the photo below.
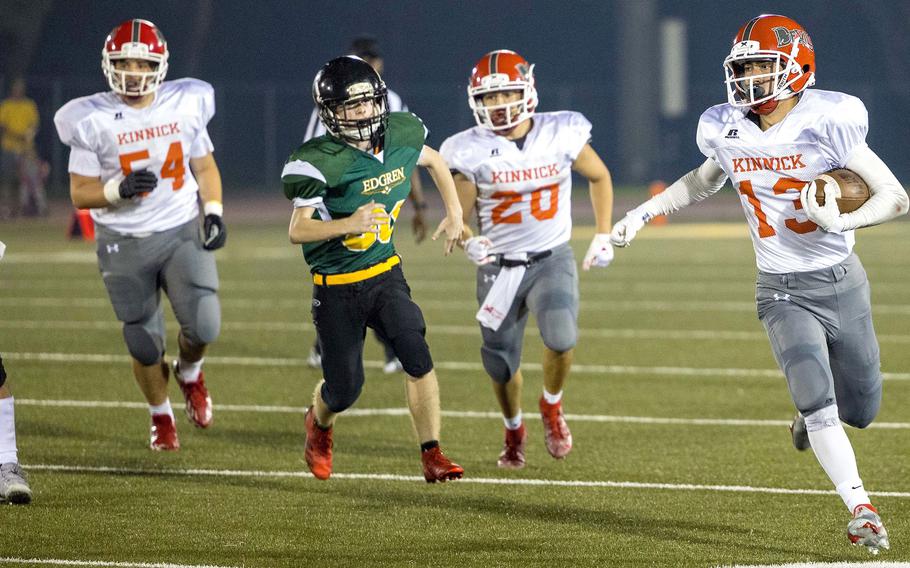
(682, 455)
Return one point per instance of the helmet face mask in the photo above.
(772, 59)
(134, 40)
(352, 100)
(497, 72)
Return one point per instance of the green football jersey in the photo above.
(335, 178)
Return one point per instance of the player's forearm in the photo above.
(208, 177)
(308, 230)
(699, 184)
(87, 193)
(888, 200)
(443, 180)
(602, 201)
(416, 196)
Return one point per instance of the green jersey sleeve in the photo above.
(408, 130)
(302, 180)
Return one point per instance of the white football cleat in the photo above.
(866, 529)
(13, 486)
(392, 366)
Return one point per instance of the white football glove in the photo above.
(600, 252)
(478, 250)
(627, 227)
(826, 216)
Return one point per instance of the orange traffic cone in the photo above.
(81, 225)
(655, 188)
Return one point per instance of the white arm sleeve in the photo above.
(700, 183)
(889, 199)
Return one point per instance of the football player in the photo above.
(771, 139)
(367, 48)
(515, 167)
(347, 188)
(13, 484)
(141, 160)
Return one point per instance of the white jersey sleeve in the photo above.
(576, 133)
(202, 145)
(845, 130)
(456, 151)
(78, 133)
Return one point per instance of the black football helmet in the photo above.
(339, 87)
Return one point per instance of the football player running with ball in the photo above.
(771, 139)
(347, 188)
(515, 168)
(141, 159)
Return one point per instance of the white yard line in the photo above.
(444, 365)
(469, 414)
(112, 563)
(444, 305)
(440, 329)
(478, 480)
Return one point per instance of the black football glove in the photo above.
(137, 183)
(214, 232)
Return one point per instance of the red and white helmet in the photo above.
(502, 70)
(135, 39)
(775, 39)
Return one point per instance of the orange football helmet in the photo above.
(135, 39)
(502, 70)
(784, 44)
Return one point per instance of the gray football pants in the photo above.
(820, 327)
(135, 270)
(549, 289)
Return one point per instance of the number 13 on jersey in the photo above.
(782, 185)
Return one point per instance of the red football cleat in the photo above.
(556, 431)
(164, 434)
(198, 401)
(318, 452)
(513, 451)
(437, 467)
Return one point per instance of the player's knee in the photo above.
(860, 414)
(560, 343)
(498, 365)
(809, 379)
(142, 345)
(207, 324)
(412, 350)
(340, 399)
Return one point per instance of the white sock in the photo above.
(513, 423)
(163, 408)
(835, 454)
(189, 372)
(7, 431)
(552, 398)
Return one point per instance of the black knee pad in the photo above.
(2, 373)
(412, 350)
(143, 346)
(339, 400)
(207, 324)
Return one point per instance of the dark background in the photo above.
(600, 58)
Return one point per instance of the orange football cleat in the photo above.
(437, 467)
(557, 436)
(318, 452)
(164, 434)
(513, 451)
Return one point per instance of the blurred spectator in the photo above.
(33, 173)
(18, 125)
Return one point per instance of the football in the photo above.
(850, 189)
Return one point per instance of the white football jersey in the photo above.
(109, 139)
(523, 194)
(769, 168)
